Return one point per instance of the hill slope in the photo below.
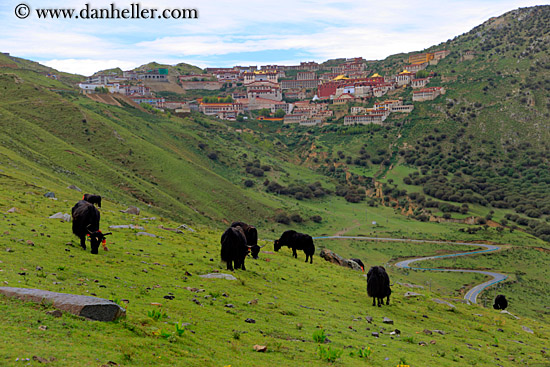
(280, 302)
(476, 146)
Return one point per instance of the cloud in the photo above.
(88, 67)
(320, 29)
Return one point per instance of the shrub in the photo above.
(533, 213)
(258, 172)
(423, 218)
(317, 218)
(282, 218)
(249, 183)
(275, 187)
(352, 198)
(481, 221)
(296, 218)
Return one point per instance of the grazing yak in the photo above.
(360, 263)
(251, 234)
(500, 302)
(234, 247)
(378, 285)
(297, 241)
(94, 199)
(86, 223)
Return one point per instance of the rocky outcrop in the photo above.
(218, 276)
(330, 256)
(131, 210)
(93, 308)
(63, 216)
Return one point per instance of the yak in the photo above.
(378, 285)
(297, 241)
(86, 223)
(500, 302)
(94, 199)
(360, 263)
(234, 247)
(251, 234)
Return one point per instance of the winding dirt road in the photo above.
(472, 294)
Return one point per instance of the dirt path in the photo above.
(346, 230)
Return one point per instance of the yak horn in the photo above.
(262, 246)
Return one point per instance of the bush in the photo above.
(282, 218)
(257, 172)
(296, 218)
(423, 218)
(317, 218)
(275, 187)
(352, 198)
(249, 183)
(533, 213)
(213, 156)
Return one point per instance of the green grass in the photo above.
(528, 274)
(52, 137)
(141, 270)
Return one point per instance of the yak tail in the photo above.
(225, 253)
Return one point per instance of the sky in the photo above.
(238, 32)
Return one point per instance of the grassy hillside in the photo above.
(479, 151)
(178, 69)
(123, 153)
(290, 302)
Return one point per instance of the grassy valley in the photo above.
(472, 165)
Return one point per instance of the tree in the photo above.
(265, 112)
(279, 113)
(422, 74)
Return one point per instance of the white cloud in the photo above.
(322, 28)
(88, 67)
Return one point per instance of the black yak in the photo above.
(297, 241)
(378, 285)
(500, 302)
(360, 263)
(234, 247)
(251, 234)
(94, 199)
(86, 223)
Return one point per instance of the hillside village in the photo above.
(308, 94)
